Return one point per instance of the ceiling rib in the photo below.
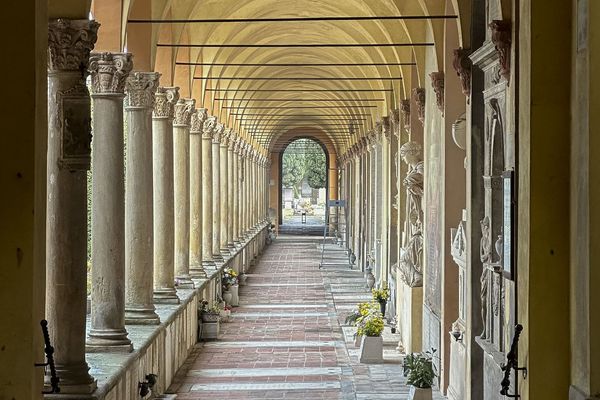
(291, 19)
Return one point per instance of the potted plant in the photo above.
(420, 373)
(370, 327)
(381, 296)
(362, 310)
(230, 286)
(208, 320)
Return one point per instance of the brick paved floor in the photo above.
(287, 339)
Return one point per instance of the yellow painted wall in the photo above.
(22, 211)
(543, 215)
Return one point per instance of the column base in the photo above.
(209, 264)
(166, 296)
(184, 282)
(218, 257)
(74, 379)
(197, 272)
(226, 251)
(108, 341)
(141, 315)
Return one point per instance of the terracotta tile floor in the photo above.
(286, 341)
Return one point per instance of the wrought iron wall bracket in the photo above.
(49, 351)
(512, 363)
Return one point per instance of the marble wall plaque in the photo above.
(75, 128)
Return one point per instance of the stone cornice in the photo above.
(108, 72)
(70, 43)
(141, 89)
(197, 121)
(164, 101)
(183, 112)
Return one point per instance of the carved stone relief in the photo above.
(462, 66)
(419, 97)
(437, 83)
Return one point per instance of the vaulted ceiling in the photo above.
(271, 67)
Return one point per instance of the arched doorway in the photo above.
(304, 186)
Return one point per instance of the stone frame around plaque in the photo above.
(74, 117)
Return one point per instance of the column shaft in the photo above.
(181, 167)
(164, 203)
(223, 161)
(108, 72)
(196, 269)
(230, 191)
(66, 227)
(207, 196)
(236, 193)
(216, 192)
(139, 285)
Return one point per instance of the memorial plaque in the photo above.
(74, 119)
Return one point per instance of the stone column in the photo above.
(108, 73)
(198, 118)
(181, 167)
(243, 192)
(230, 190)
(224, 188)
(236, 191)
(164, 203)
(207, 197)
(139, 279)
(69, 137)
(216, 192)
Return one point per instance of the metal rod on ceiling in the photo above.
(293, 19)
(292, 45)
(298, 90)
(316, 100)
(305, 115)
(299, 78)
(399, 64)
(305, 120)
(292, 107)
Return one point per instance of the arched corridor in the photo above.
(143, 185)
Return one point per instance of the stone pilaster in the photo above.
(69, 139)
(207, 196)
(108, 73)
(224, 189)
(181, 162)
(198, 118)
(164, 201)
(139, 280)
(216, 191)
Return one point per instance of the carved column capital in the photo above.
(462, 65)
(183, 110)
(70, 43)
(218, 132)
(437, 83)
(386, 126)
(405, 108)
(232, 140)
(164, 102)
(108, 72)
(501, 37)
(208, 127)
(197, 120)
(141, 89)
(419, 97)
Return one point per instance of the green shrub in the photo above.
(419, 369)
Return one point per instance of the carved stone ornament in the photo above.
(218, 132)
(394, 121)
(183, 112)
(419, 97)
(164, 102)
(197, 120)
(74, 120)
(109, 71)
(501, 37)
(437, 83)
(405, 109)
(237, 145)
(208, 127)
(462, 65)
(232, 140)
(386, 126)
(141, 89)
(70, 43)
(411, 258)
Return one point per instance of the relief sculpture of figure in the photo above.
(411, 263)
(485, 254)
